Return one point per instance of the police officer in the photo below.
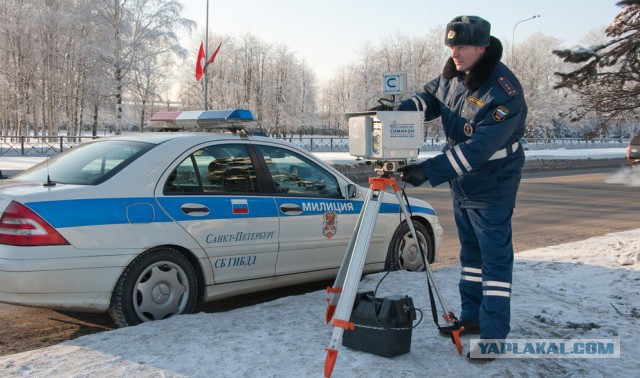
(483, 112)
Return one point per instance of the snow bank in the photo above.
(586, 289)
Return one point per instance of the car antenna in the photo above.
(49, 182)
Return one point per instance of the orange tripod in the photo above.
(343, 292)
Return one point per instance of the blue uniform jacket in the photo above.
(483, 115)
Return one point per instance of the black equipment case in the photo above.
(383, 326)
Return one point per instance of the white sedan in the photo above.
(146, 226)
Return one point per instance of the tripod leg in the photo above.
(363, 235)
(336, 289)
(447, 315)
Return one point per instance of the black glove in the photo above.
(413, 174)
(383, 106)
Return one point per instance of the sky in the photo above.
(554, 297)
(328, 33)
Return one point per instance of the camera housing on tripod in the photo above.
(386, 135)
(386, 138)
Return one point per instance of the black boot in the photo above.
(478, 360)
(470, 328)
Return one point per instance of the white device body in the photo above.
(386, 135)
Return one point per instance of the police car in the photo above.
(146, 226)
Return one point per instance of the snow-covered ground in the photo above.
(582, 290)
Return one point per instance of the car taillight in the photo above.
(629, 152)
(19, 225)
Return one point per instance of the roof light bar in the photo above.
(231, 119)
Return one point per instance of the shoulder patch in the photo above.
(500, 113)
(507, 86)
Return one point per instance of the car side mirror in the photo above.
(351, 191)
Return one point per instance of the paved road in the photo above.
(553, 207)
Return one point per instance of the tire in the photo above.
(161, 273)
(403, 254)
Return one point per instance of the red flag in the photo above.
(213, 57)
(199, 63)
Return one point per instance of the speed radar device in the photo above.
(386, 137)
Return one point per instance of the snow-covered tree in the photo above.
(608, 76)
(268, 79)
(535, 70)
(131, 32)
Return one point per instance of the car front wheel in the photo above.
(156, 285)
(403, 251)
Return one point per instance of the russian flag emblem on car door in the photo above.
(240, 206)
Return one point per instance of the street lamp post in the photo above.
(513, 35)
(206, 56)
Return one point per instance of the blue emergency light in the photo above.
(231, 116)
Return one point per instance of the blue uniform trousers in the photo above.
(486, 256)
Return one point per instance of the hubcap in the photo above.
(161, 291)
(410, 258)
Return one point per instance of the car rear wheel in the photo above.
(156, 285)
(403, 251)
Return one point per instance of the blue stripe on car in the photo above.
(93, 212)
(105, 211)
(219, 207)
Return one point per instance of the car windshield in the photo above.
(88, 164)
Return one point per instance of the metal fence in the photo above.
(337, 144)
(575, 143)
(38, 146)
(48, 146)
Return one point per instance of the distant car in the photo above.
(145, 226)
(633, 150)
(524, 144)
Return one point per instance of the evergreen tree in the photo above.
(608, 79)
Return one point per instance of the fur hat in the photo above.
(468, 31)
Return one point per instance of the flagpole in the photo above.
(206, 54)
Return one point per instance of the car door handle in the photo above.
(290, 209)
(194, 209)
